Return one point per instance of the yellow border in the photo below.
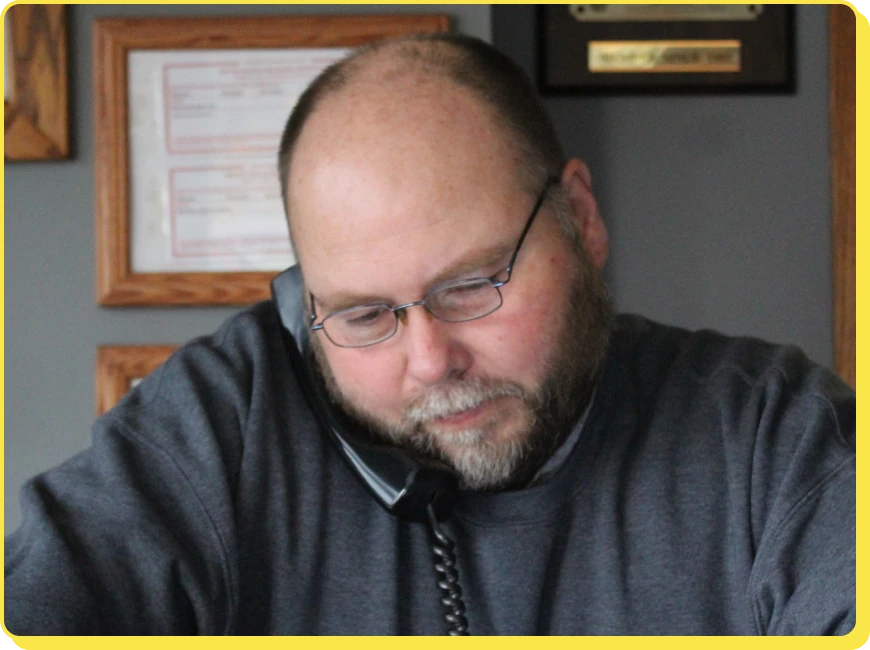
(855, 639)
(861, 632)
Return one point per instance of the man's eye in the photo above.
(364, 318)
(469, 289)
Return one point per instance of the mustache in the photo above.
(454, 397)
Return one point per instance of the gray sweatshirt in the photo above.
(712, 491)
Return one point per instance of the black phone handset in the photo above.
(403, 485)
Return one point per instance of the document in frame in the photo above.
(204, 131)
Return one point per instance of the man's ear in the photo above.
(577, 181)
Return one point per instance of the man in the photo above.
(616, 476)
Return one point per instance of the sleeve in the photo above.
(134, 535)
(115, 541)
(803, 576)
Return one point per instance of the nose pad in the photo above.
(402, 312)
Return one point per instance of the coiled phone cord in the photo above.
(445, 566)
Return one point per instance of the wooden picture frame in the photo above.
(114, 40)
(118, 366)
(841, 44)
(36, 116)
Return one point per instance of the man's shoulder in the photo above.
(242, 334)
(706, 355)
(752, 388)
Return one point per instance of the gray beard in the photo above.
(546, 414)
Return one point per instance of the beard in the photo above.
(525, 427)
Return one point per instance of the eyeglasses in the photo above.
(454, 302)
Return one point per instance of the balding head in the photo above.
(437, 61)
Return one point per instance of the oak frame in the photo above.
(841, 44)
(36, 120)
(116, 283)
(119, 365)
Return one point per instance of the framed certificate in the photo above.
(120, 367)
(189, 114)
(665, 48)
(36, 105)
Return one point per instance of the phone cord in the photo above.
(445, 566)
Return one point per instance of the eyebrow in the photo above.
(482, 259)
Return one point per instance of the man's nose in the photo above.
(434, 353)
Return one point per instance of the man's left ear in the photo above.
(577, 181)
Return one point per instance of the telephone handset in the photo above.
(403, 485)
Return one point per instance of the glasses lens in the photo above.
(360, 326)
(463, 301)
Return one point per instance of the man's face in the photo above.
(387, 204)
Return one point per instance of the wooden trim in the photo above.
(37, 117)
(119, 365)
(113, 40)
(841, 25)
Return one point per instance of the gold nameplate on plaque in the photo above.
(647, 13)
(664, 56)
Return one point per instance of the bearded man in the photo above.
(615, 476)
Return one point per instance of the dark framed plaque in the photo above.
(661, 48)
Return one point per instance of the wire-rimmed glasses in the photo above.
(453, 302)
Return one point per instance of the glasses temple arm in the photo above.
(552, 181)
(313, 316)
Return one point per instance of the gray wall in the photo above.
(52, 323)
(718, 209)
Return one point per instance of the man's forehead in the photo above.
(377, 174)
(336, 234)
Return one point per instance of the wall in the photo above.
(52, 323)
(718, 208)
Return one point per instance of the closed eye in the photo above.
(364, 317)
